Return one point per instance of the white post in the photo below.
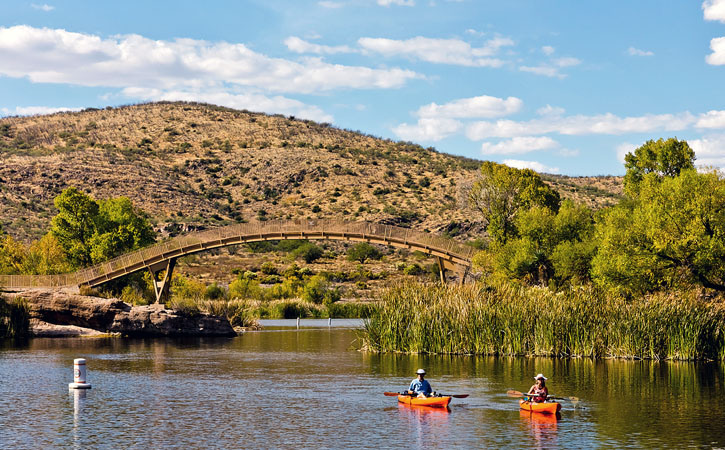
(79, 375)
(298, 323)
(329, 322)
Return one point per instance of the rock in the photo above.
(51, 308)
(38, 328)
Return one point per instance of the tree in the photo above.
(502, 191)
(308, 251)
(672, 233)
(12, 256)
(362, 252)
(46, 257)
(661, 158)
(91, 231)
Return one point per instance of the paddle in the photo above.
(395, 394)
(512, 393)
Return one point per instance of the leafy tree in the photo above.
(91, 231)
(548, 246)
(12, 256)
(672, 234)
(46, 257)
(75, 224)
(502, 191)
(362, 252)
(308, 251)
(661, 158)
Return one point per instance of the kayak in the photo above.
(436, 402)
(548, 407)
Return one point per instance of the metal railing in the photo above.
(448, 249)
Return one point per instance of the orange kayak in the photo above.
(550, 407)
(436, 402)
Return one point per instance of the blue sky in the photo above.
(559, 86)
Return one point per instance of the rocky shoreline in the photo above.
(60, 313)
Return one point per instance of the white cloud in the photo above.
(711, 119)
(533, 165)
(440, 51)
(550, 111)
(43, 7)
(518, 145)
(631, 51)
(428, 129)
(714, 10)
(396, 2)
(548, 50)
(298, 45)
(551, 69)
(624, 148)
(35, 110)
(717, 57)
(709, 150)
(58, 56)
(586, 125)
(483, 106)
(331, 5)
(248, 101)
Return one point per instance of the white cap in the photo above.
(420, 372)
(540, 377)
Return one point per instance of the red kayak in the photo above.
(544, 407)
(435, 402)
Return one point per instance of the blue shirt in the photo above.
(421, 386)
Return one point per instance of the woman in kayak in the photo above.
(420, 386)
(539, 392)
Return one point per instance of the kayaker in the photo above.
(539, 392)
(420, 386)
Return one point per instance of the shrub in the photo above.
(362, 252)
(268, 268)
(215, 292)
(413, 269)
(309, 252)
(244, 288)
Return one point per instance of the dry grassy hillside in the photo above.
(193, 165)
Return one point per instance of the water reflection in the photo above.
(308, 388)
(542, 428)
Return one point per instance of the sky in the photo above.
(560, 86)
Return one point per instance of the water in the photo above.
(289, 388)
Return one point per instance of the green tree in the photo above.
(660, 158)
(502, 191)
(91, 231)
(672, 233)
(12, 256)
(362, 252)
(75, 224)
(46, 257)
(308, 251)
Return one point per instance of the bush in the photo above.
(244, 288)
(362, 252)
(186, 288)
(133, 296)
(413, 269)
(269, 268)
(309, 252)
(215, 292)
(14, 317)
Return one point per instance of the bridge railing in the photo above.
(243, 232)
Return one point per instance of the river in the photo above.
(285, 387)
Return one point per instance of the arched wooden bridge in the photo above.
(451, 255)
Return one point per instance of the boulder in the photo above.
(67, 309)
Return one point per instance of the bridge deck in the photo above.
(451, 253)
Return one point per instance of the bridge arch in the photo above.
(450, 254)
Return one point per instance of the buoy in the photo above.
(79, 375)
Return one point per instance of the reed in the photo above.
(14, 317)
(503, 319)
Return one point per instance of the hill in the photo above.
(192, 166)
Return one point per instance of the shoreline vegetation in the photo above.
(507, 320)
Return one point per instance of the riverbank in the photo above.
(502, 319)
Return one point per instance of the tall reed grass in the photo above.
(14, 317)
(503, 319)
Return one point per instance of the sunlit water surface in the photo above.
(289, 388)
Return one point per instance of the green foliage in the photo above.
(308, 252)
(660, 158)
(187, 288)
(502, 191)
(12, 256)
(91, 231)
(413, 269)
(268, 268)
(317, 290)
(548, 246)
(244, 288)
(672, 234)
(362, 252)
(46, 257)
(215, 292)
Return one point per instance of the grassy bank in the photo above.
(503, 319)
(14, 317)
(246, 312)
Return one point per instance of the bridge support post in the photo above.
(441, 270)
(161, 287)
(463, 274)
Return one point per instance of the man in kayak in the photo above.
(539, 392)
(420, 386)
